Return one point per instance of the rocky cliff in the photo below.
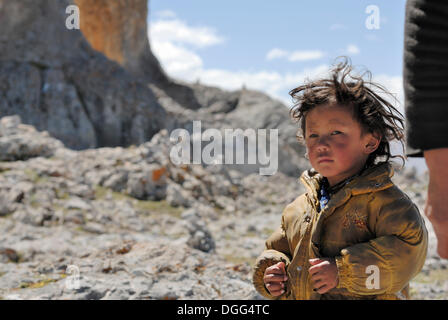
(52, 78)
(118, 29)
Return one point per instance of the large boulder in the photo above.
(22, 142)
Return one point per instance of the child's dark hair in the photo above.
(373, 113)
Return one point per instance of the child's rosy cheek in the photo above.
(341, 146)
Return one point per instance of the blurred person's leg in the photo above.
(436, 206)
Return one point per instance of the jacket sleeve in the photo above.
(385, 264)
(276, 250)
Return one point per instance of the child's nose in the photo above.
(322, 147)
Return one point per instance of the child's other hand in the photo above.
(274, 277)
(324, 274)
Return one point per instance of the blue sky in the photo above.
(233, 39)
(273, 46)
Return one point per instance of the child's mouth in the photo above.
(324, 160)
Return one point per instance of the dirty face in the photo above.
(334, 143)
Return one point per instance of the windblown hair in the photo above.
(373, 113)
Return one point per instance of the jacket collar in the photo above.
(372, 179)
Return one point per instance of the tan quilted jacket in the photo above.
(369, 222)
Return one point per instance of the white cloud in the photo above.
(298, 55)
(276, 53)
(175, 59)
(273, 83)
(175, 30)
(352, 49)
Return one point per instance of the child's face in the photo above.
(332, 134)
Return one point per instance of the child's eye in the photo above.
(313, 135)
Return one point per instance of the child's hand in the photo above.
(274, 276)
(324, 274)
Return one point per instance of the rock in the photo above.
(176, 196)
(150, 184)
(194, 185)
(94, 228)
(8, 254)
(77, 203)
(200, 237)
(7, 206)
(32, 216)
(97, 177)
(82, 191)
(74, 217)
(117, 181)
(20, 190)
(201, 240)
(20, 142)
(45, 269)
(139, 273)
(251, 228)
(220, 188)
(165, 291)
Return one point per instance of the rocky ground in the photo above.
(125, 223)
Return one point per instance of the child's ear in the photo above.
(373, 142)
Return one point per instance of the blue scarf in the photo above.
(324, 196)
(326, 192)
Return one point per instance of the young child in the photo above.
(353, 234)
